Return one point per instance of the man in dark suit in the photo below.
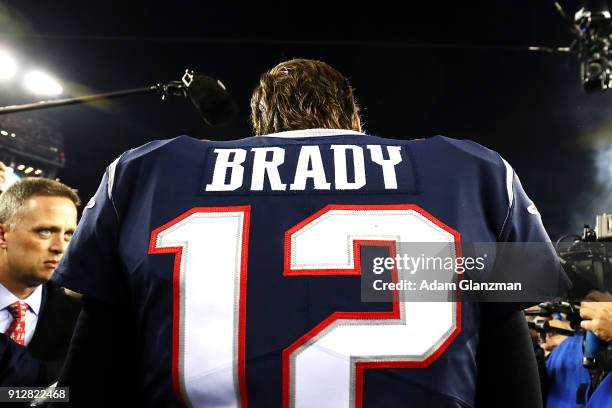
(37, 219)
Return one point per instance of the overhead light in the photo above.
(20, 167)
(8, 65)
(3, 133)
(37, 172)
(42, 83)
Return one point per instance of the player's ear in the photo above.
(4, 229)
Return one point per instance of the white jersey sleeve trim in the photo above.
(510, 191)
(110, 182)
(111, 177)
(509, 182)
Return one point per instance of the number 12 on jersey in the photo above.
(324, 367)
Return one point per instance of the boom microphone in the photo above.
(208, 95)
(211, 99)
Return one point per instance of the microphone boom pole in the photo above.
(208, 95)
(77, 100)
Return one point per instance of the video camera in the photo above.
(593, 47)
(587, 260)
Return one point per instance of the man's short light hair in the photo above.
(14, 197)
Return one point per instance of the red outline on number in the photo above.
(176, 290)
(394, 314)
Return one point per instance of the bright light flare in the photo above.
(8, 66)
(41, 83)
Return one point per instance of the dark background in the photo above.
(458, 69)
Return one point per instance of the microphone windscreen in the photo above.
(215, 104)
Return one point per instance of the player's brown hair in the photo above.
(303, 94)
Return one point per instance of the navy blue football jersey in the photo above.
(243, 261)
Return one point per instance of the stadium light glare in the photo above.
(41, 83)
(8, 66)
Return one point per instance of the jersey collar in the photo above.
(313, 133)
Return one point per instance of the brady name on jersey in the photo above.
(266, 164)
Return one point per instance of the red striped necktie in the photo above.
(16, 330)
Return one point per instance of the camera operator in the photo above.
(596, 312)
(572, 384)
